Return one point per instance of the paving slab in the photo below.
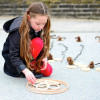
(82, 85)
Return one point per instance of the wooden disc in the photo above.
(51, 61)
(84, 66)
(78, 64)
(97, 68)
(85, 69)
(57, 59)
(71, 66)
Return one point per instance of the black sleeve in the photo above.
(14, 51)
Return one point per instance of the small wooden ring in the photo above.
(56, 88)
(38, 86)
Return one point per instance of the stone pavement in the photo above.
(82, 85)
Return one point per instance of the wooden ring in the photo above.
(48, 89)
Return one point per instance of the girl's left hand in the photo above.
(44, 63)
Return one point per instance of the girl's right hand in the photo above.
(29, 75)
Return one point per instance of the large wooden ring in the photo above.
(59, 86)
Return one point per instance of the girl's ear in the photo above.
(28, 17)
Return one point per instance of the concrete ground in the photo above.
(82, 85)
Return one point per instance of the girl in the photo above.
(27, 45)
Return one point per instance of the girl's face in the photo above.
(38, 22)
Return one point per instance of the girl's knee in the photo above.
(37, 41)
(36, 46)
(48, 71)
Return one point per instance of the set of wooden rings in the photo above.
(47, 86)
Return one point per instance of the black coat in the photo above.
(14, 65)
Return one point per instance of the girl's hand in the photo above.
(44, 63)
(29, 75)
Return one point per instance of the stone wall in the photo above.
(57, 10)
(12, 9)
(76, 10)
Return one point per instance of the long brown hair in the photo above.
(36, 8)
